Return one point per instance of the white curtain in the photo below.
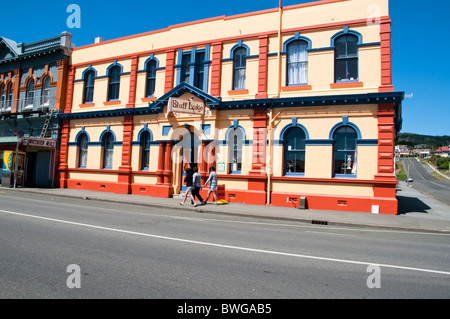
(239, 78)
(297, 64)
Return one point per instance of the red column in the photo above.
(69, 99)
(259, 142)
(133, 81)
(203, 169)
(16, 93)
(161, 156)
(262, 71)
(124, 178)
(386, 73)
(170, 62)
(168, 164)
(216, 69)
(257, 176)
(63, 153)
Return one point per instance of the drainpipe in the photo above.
(271, 118)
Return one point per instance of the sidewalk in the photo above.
(417, 212)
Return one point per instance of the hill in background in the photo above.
(416, 139)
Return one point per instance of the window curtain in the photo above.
(297, 64)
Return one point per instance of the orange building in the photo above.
(286, 103)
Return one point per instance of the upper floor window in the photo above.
(29, 98)
(108, 149)
(9, 96)
(192, 68)
(151, 78)
(2, 97)
(344, 153)
(45, 94)
(294, 150)
(239, 68)
(114, 82)
(346, 57)
(297, 62)
(88, 92)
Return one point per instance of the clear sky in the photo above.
(420, 40)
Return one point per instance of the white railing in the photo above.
(37, 103)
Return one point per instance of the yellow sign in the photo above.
(7, 161)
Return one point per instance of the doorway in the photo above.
(190, 145)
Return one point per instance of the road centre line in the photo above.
(358, 229)
(270, 252)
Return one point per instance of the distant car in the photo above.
(410, 179)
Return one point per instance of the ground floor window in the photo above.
(344, 153)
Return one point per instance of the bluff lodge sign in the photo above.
(176, 105)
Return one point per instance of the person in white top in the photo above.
(212, 180)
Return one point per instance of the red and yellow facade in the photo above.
(298, 101)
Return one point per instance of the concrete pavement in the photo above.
(417, 211)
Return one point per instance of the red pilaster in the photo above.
(203, 169)
(262, 70)
(216, 69)
(124, 178)
(386, 141)
(259, 142)
(64, 150)
(168, 164)
(386, 73)
(133, 81)
(161, 162)
(170, 62)
(16, 87)
(70, 84)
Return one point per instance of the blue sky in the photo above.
(420, 44)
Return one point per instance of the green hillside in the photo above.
(416, 139)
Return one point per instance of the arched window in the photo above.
(297, 63)
(151, 78)
(145, 150)
(108, 149)
(82, 150)
(2, 97)
(239, 68)
(294, 150)
(9, 96)
(114, 82)
(346, 57)
(29, 97)
(88, 92)
(235, 139)
(344, 153)
(45, 94)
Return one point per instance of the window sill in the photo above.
(290, 88)
(346, 85)
(238, 92)
(87, 105)
(115, 102)
(344, 176)
(149, 99)
(294, 174)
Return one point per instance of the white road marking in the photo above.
(195, 242)
(366, 230)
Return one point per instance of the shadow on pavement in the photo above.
(411, 205)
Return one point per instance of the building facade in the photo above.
(286, 103)
(33, 83)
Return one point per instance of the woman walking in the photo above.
(189, 182)
(212, 180)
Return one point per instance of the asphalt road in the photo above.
(427, 183)
(126, 251)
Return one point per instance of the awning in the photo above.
(9, 139)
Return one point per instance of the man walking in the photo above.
(197, 186)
